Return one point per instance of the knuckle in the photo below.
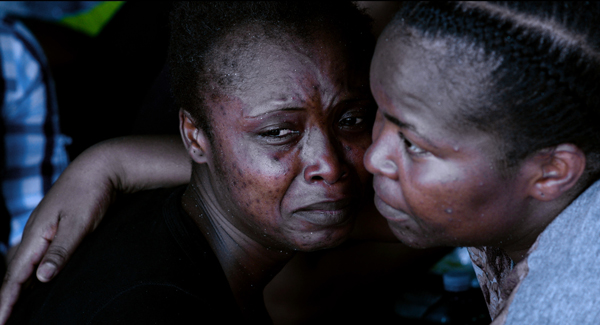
(11, 278)
(8, 277)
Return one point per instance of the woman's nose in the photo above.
(324, 162)
(379, 157)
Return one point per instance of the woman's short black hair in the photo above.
(545, 84)
(197, 28)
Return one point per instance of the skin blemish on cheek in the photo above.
(277, 156)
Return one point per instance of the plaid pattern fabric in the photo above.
(35, 151)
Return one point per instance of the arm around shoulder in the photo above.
(78, 200)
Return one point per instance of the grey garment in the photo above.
(563, 283)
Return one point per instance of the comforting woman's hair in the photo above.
(544, 87)
(198, 28)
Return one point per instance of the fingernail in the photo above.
(46, 271)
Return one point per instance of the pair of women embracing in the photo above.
(485, 136)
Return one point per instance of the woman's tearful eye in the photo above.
(278, 135)
(356, 120)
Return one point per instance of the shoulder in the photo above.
(562, 284)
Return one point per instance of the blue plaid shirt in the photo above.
(34, 148)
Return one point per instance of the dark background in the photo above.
(103, 83)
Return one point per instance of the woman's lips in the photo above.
(328, 213)
(389, 212)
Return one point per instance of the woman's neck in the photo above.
(539, 216)
(248, 265)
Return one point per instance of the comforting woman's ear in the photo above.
(560, 169)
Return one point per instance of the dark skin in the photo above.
(128, 165)
(283, 171)
(438, 184)
(558, 167)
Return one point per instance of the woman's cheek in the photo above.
(421, 191)
(267, 181)
(354, 152)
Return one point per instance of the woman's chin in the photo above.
(322, 239)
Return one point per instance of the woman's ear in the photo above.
(194, 139)
(558, 170)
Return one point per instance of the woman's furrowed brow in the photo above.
(291, 109)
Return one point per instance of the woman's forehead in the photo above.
(289, 73)
(424, 79)
(442, 69)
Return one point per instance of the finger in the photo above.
(8, 295)
(69, 235)
(55, 257)
(18, 272)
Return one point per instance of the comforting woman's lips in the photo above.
(389, 212)
(328, 213)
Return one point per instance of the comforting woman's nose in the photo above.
(377, 158)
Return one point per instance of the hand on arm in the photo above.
(78, 200)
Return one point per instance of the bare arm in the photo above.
(78, 200)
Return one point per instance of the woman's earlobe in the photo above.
(561, 168)
(193, 138)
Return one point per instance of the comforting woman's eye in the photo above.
(411, 147)
(351, 121)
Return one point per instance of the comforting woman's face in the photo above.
(434, 183)
(289, 143)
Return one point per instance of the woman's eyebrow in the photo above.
(284, 109)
